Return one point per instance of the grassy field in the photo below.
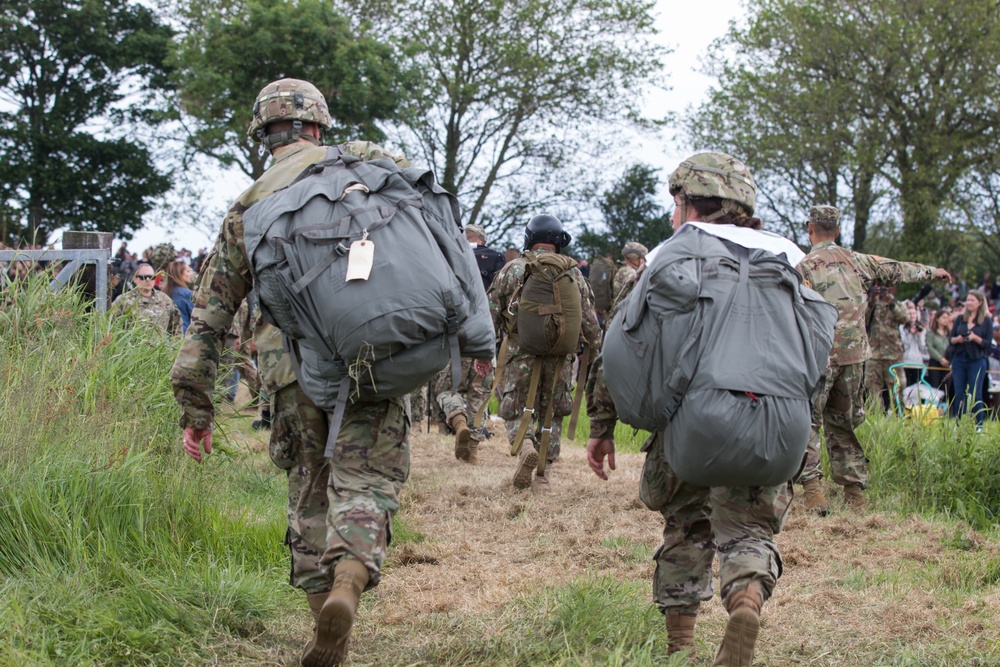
(115, 549)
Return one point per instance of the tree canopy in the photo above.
(231, 49)
(515, 97)
(72, 82)
(630, 212)
(881, 107)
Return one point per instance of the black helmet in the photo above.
(545, 229)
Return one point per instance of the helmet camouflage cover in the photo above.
(715, 175)
(161, 256)
(634, 248)
(477, 230)
(288, 99)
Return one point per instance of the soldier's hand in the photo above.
(482, 368)
(597, 449)
(942, 274)
(193, 441)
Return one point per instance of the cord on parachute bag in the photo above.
(722, 349)
(356, 337)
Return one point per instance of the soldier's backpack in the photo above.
(602, 277)
(721, 348)
(384, 335)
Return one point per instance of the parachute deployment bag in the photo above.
(383, 336)
(721, 348)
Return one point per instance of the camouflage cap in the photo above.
(161, 256)
(633, 248)
(715, 175)
(478, 231)
(826, 216)
(288, 99)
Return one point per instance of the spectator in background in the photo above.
(146, 304)
(913, 337)
(971, 334)
(178, 288)
(937, 346)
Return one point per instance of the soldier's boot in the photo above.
(264, 422)
(815, 499)
(328, 647)
(526, 464)
(473, 451)
(543, 483)
(741, 630)
(680, 633)
(463, 436)
(854, 497)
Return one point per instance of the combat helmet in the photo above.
(715, 175)
(634, 248)
(287, 99)
(161, 256)
(545, 229)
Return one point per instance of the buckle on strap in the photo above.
(531, 410)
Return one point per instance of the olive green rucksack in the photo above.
(549, 312)
(602, 278)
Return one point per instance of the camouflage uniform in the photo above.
(418, 404)
(737, 522)
(473, 389)
(624, 275)
(514, 382)
(843, 277)
(338, 507)
(886, 349)
(157, 308)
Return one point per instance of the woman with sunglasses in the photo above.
(143, 303)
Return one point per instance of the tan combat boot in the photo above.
(526, 464)
(854, 497)
(473, 451)
(328, 647)
(815, 500)
(741, 630)
(680, 633)
(462, 437)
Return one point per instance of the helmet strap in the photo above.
(273, 140)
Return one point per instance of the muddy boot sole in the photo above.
(525, 471)
(328, 647)
(462, 450)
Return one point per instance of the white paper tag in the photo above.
(360, 259)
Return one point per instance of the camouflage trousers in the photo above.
(879, 380)
(473, 390)
(341, 506)
(839, 409)
(513, 391)
(418, 404)
(738, 523)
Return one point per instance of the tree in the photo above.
(518, 97)
(887, 104)
(72, 82)
(231, 49)
(631, 213)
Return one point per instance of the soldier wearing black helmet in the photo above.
(543, 235)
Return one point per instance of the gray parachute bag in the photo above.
(722, 349)
(422, 306)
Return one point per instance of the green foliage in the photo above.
(631, 213)
(887, 106)
(233, 49)
(515, 96)
(114, 547)
(74, 75)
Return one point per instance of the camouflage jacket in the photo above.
(157, 308)
(883, 336)
(509, 280)
(623, 275)
(223, 284)
(843, 277)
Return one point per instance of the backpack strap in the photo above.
(543, 446)
(581, 382)
(529, 408)
(501, 360)
(343, 391)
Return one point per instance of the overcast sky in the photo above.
(686, 27)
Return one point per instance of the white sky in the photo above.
(689, 28)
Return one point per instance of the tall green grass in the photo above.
(114, 547)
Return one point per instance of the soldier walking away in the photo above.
(844, 277)
(716, 193)
(885, 314)
(633, 258)
(535, 387)
(339, 509)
